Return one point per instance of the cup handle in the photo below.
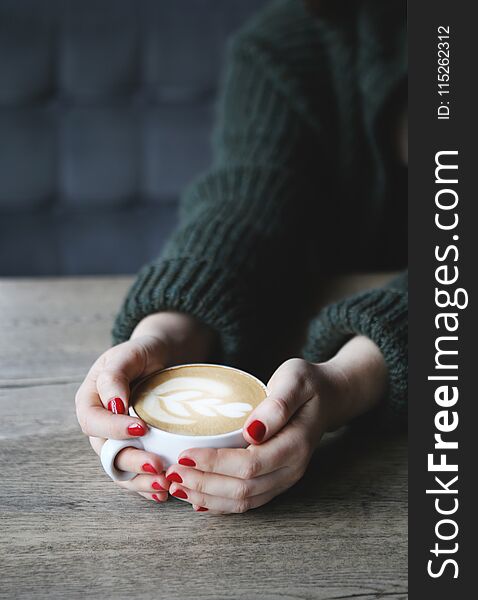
(109, 452)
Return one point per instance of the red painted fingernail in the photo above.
(116, 406)
(257, 431)
(201, 509)
(155, 498)
(155, 485)
(174, 477)
(187, 462)
(136, 429)
(180, 494)
(149, 469)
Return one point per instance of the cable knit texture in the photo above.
(299, 157)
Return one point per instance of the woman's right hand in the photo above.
(102, 400)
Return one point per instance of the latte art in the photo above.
(198, 399)
(182, 399)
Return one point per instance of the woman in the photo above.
(308, 178)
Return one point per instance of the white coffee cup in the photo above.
(168, 446)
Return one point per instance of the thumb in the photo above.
(287, 391)
(113, 389)
(123, 364)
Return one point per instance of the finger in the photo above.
(140, 461)
(162, 497)
(113, 389)
(153, 480)
(203, 509)
(97, 443)
(288, 389)
(228, 487)
(153, 484)
(219, 504)
(244, 463)
(97, 422)
(198, 508)
(121, 365)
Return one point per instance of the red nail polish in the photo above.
(116, 406)
(136, 429)
(155, 498)
(187, 462)
(201, 509)
(174, 477)
(180, 494)
(155, 485)
(149, 469)
(257, 431)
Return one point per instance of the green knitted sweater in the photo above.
(300, 166)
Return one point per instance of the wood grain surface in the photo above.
(68, 532)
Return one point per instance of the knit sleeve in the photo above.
(380, 314)
(242, 225)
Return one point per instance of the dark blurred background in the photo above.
(106, 110)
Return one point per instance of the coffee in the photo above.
(197, 399)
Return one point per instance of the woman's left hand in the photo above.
(283, 431)
(304, 400)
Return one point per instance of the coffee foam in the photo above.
(198, 399)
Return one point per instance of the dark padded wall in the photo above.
(106, 109)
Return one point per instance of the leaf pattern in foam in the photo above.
(234, 409)
(182, 397)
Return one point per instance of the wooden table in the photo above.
(68, 532)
